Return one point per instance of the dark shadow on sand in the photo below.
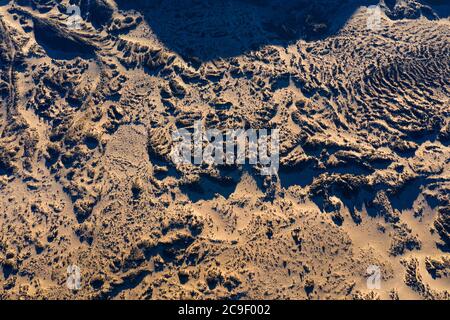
(207, 30)
(208, 187)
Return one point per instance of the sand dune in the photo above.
(89, 106)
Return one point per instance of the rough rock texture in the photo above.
(86, 123)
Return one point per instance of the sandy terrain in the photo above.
(87, 116)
